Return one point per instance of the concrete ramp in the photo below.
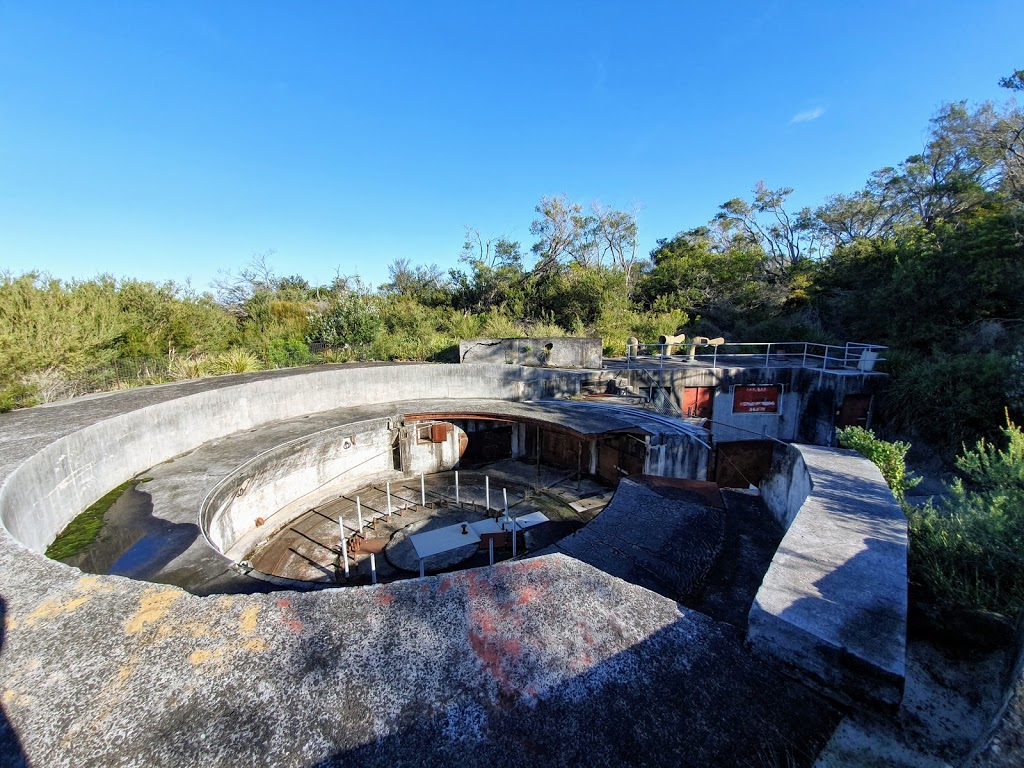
(661, 536)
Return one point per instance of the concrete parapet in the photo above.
(543, 352)
(48, 490)
(833, 605)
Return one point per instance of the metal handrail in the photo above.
(813, 355)
(658, 395)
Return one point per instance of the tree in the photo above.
(787, 239)
(617, 239)
(871, 212)
(957, 171)
(233, 291)
(495, 272)
(688, 272)
(565, 233)
(425, 284)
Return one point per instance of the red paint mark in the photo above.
(445, 585)
(526, 595)
(489, 655)
(532, 690)
(512, 647)
(289, 618)
(486, 621)
(385, 598)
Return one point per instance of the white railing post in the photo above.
(767, 354)
(388, 488)
(423, 491)
(373, 569)
(457, 488)
(344, 545)
(487, 492)
(359, 514)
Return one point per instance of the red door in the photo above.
(697, 401)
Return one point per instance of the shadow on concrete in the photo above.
(11, 753)
(688, 694)
(133, 541)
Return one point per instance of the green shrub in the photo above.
(286, 353)
(350, 319)
(499, 326)
(17, 395)
(191, 367)
(890, 458)
(969, 550)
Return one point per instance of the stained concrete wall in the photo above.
(293, 477)
(540, 351)
(678, 456)
(47, 491)
(808, 406)
(833, 604)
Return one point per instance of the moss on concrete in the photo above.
(83, 530)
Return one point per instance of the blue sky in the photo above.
(169, 140)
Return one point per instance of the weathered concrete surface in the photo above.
(549, 661)
(544, 352)
(662, 538)
(947, 706)
(544, 662)
(833, 605)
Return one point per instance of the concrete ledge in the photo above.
(543, 352)
(833, 605)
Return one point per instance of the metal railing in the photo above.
(659, 399)
(773, 354)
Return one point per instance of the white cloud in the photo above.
(807, 115)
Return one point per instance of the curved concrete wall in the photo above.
(294, 476)
(47, 491)
(833, 604)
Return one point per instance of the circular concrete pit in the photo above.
(550, 659)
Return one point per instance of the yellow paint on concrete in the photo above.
(152, 607)
(84, 590)
(254, 645)
(248, 623)
(203, 656)
(14, 698)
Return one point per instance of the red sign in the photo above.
(760, 398)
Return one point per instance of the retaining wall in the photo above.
(300, 474)
(833, 604)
